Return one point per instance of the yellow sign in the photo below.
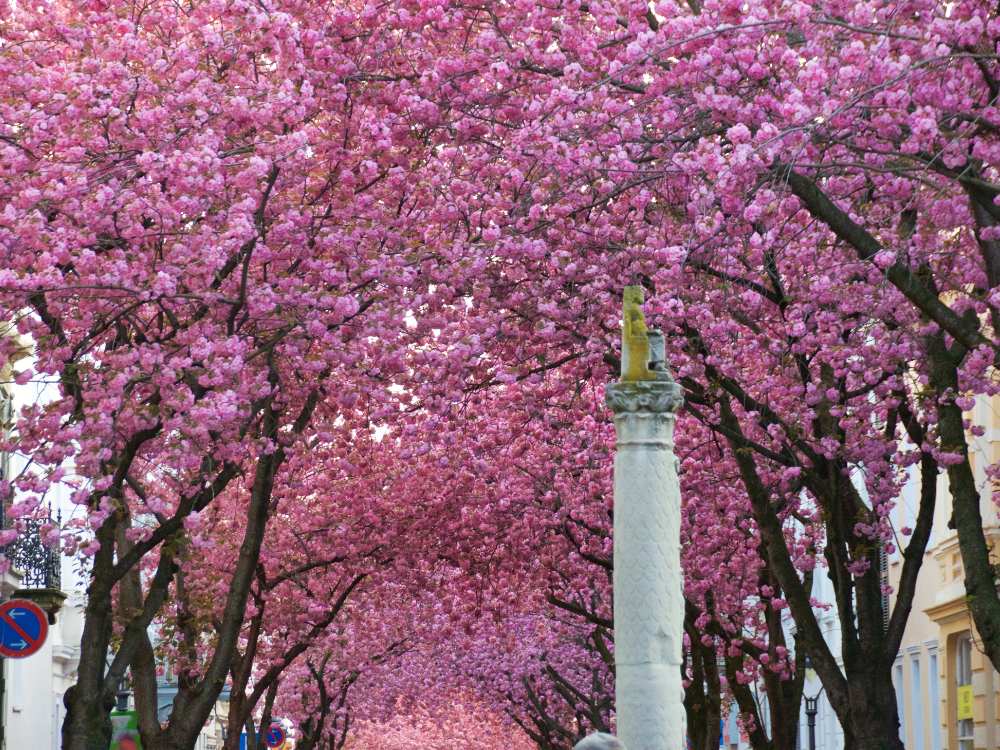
(964, 702)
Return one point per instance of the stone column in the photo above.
(648, 595)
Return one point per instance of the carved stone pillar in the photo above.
(648, 595)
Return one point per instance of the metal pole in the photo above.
(648, 596)
(3, 699)
(811, 718)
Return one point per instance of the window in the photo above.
(916, 703)
(883, 575)
(898, 684)
(932, 685)
(6, 425)
(963, 683)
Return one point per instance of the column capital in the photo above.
(644, 396)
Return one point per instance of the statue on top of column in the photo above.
(635, 338)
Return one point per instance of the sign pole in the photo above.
(3, 705)
(648, 582)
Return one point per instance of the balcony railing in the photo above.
(39, 564)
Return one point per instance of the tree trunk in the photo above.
(874, 721)
(703, 695)
(87, 724)
(235, 723)
(166, 742)
(232, 741)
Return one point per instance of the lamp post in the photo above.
(811, 711)
(812, 705)
(121, 698)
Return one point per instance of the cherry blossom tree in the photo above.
(696, 151)
(231, 228)
(206, 234)
(533, 481)
(460, 728)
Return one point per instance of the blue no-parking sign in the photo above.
(23, 628)
(275, 736)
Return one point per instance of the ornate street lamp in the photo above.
(812, 707)
(121, 696)
(811, 711)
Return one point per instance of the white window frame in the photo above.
(934, 694)
(917, 712)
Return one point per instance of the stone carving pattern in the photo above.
(649, 396)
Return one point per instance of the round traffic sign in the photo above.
(23, 628)
(275, 736)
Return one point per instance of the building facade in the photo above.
(947, 690)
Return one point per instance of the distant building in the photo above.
(213, 734)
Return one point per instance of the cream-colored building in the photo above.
(947, 690)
